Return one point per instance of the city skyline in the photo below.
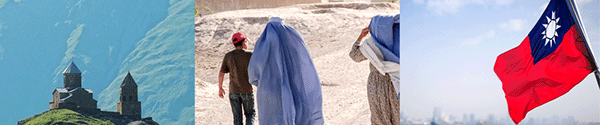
(438, 116)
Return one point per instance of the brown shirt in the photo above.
(236, 64)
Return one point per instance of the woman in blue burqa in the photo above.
(289, 91)
(382, 49)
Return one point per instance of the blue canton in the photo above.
(542, 45)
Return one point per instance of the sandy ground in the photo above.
(329, 30)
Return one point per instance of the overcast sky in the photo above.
(448, 51)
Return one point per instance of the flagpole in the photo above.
(574, 11)
(597, 77)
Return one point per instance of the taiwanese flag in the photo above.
(551, 60)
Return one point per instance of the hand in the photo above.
(364, 33)
(221, 92)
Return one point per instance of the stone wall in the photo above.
(114, 117)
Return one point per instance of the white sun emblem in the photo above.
(550, 33)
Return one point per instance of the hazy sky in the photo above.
(448, 51)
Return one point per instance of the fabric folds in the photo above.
(289, 90)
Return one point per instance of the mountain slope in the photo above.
(105, 39)
(161, 64)
(96, 35)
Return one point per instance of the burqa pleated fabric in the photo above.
(289, 90)
(386, 36)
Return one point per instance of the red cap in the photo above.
(237, 37)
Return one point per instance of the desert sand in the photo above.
(329, 30)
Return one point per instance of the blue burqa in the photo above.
(387, 36)
(289, 91)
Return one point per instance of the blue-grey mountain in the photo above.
(108, 38)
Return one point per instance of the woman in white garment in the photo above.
(383, 100)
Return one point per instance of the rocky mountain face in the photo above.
(328, 29)
(108, 38)
(161, 64)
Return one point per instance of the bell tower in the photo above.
(71, 77)
(129, 104)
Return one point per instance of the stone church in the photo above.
(129, 104)
(73, 96)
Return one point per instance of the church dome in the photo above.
(72, 68)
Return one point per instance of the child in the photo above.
(240, 91)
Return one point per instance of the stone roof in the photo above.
(65, 90)
(89, 90)
(72, 68)
(86, 89)
(65, 98)
(128, 81)
(71, 90)
(61, 90)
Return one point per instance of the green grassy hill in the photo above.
(63, 116)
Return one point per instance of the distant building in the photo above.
(73, 96)
(437, 115)
(472, 118)
(129, 104)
